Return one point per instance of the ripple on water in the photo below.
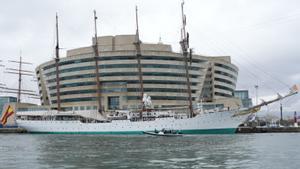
(96, 151)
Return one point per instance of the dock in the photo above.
(12, 130)
(268, 130)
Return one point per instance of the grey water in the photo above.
(274, 151)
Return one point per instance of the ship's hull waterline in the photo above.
(209, 123)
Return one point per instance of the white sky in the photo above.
(261, 36)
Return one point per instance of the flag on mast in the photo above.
(9, 111)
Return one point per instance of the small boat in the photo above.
(164, 132)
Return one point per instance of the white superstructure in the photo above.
(216, 122)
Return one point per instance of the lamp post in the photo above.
(256, 93)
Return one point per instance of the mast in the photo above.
(185, 48)
(96, 52)
(20, 80)
(20, 72)
(137, 44)
(57, 67)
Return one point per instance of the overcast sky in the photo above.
(261, 36)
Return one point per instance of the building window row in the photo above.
(225, 74)
(103, 58)
(224, 88)
(223, 94)
(161, 98)
(226, 67)
(110, 66)
(109, 83)
(166, 74)
(83, 99)
(160, 90)
(112, 90)
(224, 81)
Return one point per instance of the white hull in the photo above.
(220, 122)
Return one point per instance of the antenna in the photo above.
(57, 67)
(185, 51)
(137, 44)
(137, 25)
(96, 52)
(256, 94)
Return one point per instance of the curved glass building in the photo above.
(163, 76)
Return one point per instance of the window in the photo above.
(113, 102)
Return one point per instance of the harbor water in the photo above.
(268, 151)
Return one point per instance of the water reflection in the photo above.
(90, 151)
(98, 151)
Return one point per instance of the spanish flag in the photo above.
(9, 111)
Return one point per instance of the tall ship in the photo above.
(120, 85)
(126, 122)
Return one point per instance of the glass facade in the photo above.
(113, 102)
(244, 96)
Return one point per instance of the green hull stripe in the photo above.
(210, 131)
(195, 131)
